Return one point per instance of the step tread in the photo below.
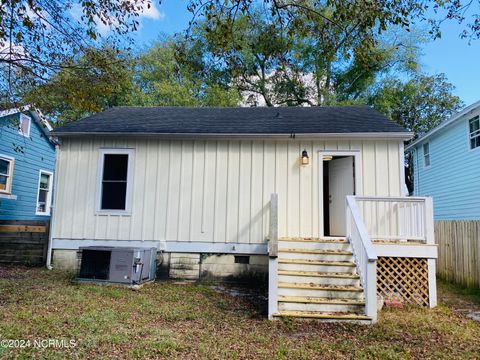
(319, 274)
(319, 300)
(320, 252)
(322, 315)
(315, 240)
(316, 262)
(312, 286)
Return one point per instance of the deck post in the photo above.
(429, 223)
(273, 258)
(432, 282)
(371, 291)
(272, 287)
(273, 240)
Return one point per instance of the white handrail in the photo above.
(384, 218)
(392, 198)
(364, 254)
(355, 214)
(397, 218)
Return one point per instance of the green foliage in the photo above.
(40, 38)
(418, 104)
(310, 61)
(95, 81)
(160, 80)
(103, 78)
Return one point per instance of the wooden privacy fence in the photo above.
(459, 251)
(23, 242)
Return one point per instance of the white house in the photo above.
(313, 196)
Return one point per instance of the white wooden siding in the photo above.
(208, 190)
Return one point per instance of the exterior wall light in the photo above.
(305, 159)
(327, 157)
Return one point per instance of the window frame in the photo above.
(425, 155)
(48, 202)
(24, 117)
(470, 137)
(128, 196)
(11, 161)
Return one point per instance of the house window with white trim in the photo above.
(6, 174)
(426, 154)
(24, 125)
(44, 196)
(115, 181)
(474, 127)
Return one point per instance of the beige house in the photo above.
(312, 196)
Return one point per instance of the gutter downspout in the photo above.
(52, 209)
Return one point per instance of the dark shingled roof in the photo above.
(235, 121)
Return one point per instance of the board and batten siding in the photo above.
(453, 177)
(210, 190)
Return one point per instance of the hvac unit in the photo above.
(126, 265)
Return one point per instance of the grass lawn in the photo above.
(168, 320)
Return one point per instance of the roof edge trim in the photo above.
(447, 122)
(396, 135)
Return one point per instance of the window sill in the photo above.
(42, 214)
(112, 213)
(8, 196)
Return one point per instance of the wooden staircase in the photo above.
(317, 278)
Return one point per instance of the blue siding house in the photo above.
(27, 162)
(447, 166)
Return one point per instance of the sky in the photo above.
(451, 55)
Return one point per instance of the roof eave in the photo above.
(443, 125)
(38, 116)
(364, 135)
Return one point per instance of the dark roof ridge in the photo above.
(126, 120)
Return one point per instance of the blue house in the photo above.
(447, 166)
(27, 162)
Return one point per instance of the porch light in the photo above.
(305, 159)
(327, 157)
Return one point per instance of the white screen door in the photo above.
(341, 183)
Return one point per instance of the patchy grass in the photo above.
(168, 320)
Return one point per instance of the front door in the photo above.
(341, 183)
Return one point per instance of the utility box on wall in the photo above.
(124, 265)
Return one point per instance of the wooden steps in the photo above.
(312, 286)
(317, 300)
(322, 315)
(315, 240)
(318, 274)
(317, 262)
(317, 279)
(319, 252)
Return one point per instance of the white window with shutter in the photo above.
(6, 174)
(426, 155)
(474, 132)
(44, 196)
(24, 125)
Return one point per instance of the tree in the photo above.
(162, 81)
(103, 78)
(99, 79)
(38, 38)
(316, 65)
(364, 15)
(419, 105)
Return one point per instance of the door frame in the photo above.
(356, 154)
